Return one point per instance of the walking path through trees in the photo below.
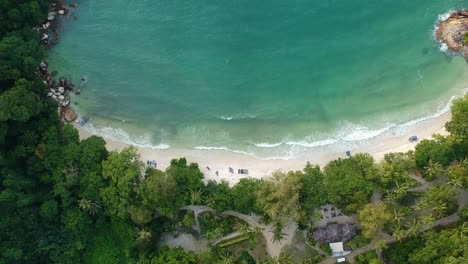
(451, 219)
(274, 247)
(197, 210)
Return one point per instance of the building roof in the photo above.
(337, 246)
(349, 231)
(334, 233)
(320, 235)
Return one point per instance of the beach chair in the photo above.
(231, 170)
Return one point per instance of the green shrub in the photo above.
(358, 241)
(399, 252)
(464, 213)
(465, 38)
(326, 248)
(437, 151)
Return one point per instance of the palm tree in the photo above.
(144, 235)
(433, 170)
(398, 233)
(380, 245)
(210, 201)
(421, 205)
(71, 172)
(227, 259)
(398, 215)
(413, 227)
(196, 196)
(391, 196)
(271, 260)
(464, 162)
(89, 206)
(428, 219)
(456, 182)
(272, 212)
(278, 235)
(401, 190)
(285, 258)
(439, 209)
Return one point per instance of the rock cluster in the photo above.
(452, 32)
(48, 30)
(59, 91)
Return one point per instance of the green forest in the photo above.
(66, 200)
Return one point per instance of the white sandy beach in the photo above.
(220, 160)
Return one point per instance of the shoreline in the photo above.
(221, 160)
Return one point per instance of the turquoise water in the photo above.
(263, 77)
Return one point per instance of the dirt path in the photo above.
(451, 219)
(273, 248)
(197, 210)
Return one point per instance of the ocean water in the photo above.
(268, 78)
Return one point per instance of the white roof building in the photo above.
(338, 251)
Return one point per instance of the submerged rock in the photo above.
(452, 32)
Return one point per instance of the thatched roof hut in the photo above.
(349, 231)
(334, 233)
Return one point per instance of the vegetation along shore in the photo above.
(66, 200)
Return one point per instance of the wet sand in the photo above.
(220, 160)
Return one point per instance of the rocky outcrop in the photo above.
(451, 32)
(69, 115)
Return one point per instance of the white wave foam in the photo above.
(312, 144)
(268, 145)
(443, 47)
(442, 17)
(224, 148)
(226, 117)
(348, 133)
(117, 134)
(442, 110)
(363, 133)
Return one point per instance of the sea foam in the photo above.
(119, 135)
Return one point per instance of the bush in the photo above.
(399, 252)
(465, 38)
(437, 151)
(213, 227)
(358, 241)
(326, 248)
(463, 213)
(368, 258)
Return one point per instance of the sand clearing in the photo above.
(220, 160)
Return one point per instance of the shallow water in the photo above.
(261, 77)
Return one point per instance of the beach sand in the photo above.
(220, 160)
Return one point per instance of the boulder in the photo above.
(69, 115)
(451, 31)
